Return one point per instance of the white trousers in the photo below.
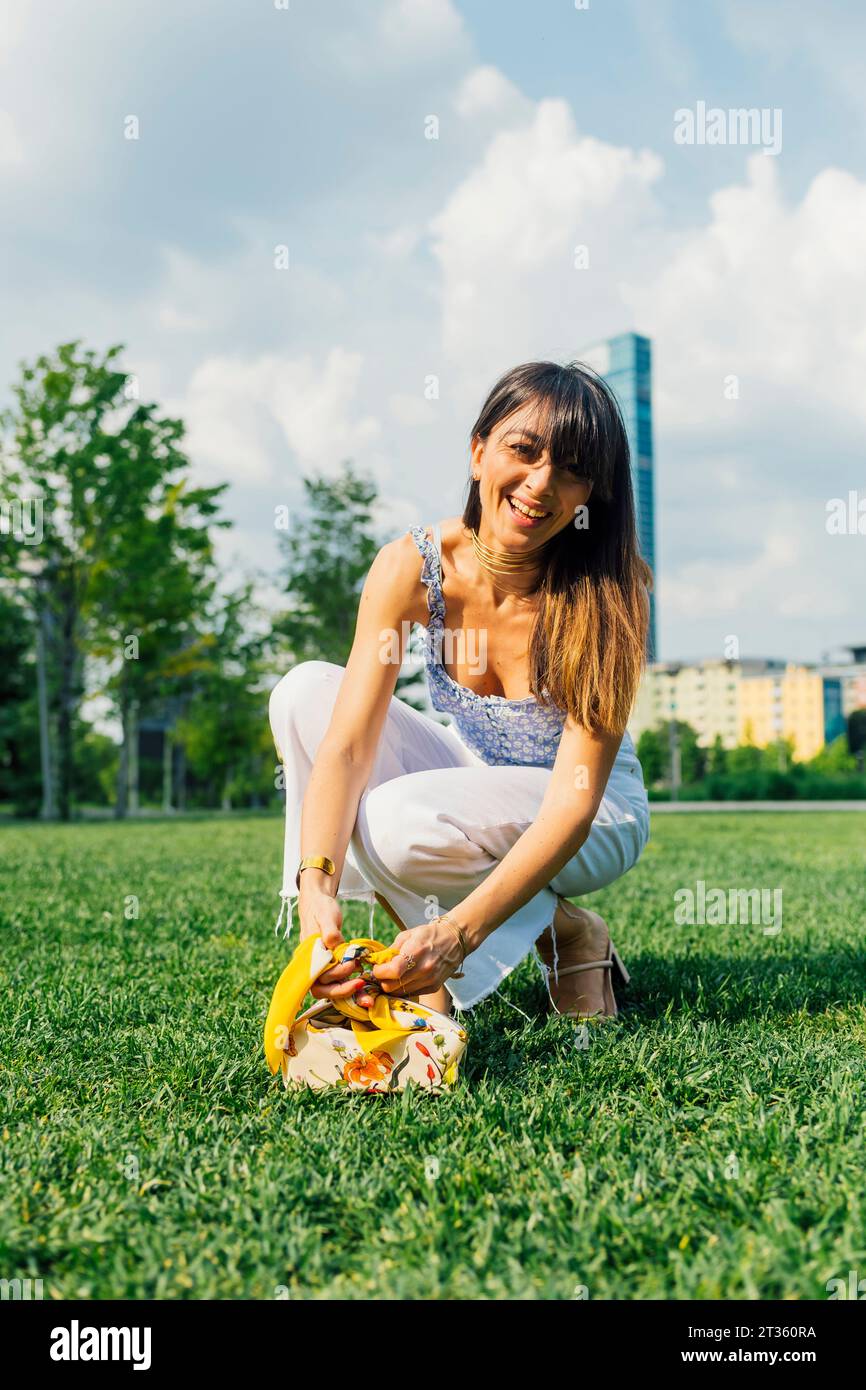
(434, 819)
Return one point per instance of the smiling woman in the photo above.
(472, 836)
(550, 441)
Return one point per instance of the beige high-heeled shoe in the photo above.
(611, 962)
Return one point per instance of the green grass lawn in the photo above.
(707, 1144)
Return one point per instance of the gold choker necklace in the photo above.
(503, 561)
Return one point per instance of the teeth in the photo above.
(527, 511)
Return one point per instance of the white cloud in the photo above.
(423, 27)
(318, 413)
(505, 240)
(770, 293)
(393, 36)
(456, 261)
(791, 590)
(786, 571)
(486, 92)
(399, 242)
(238, 409)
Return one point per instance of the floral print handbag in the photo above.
(337, 1042)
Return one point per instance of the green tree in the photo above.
(778, 756)
(652, 751)
(745, 759)
(327, 553)
(693, 758)
(103, 466)
(96, 759)
(857, 736)
(19, 720)
(150, 586)
(834, 758)
(225, 728)
(717, 757)
(658, 747)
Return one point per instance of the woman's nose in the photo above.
(541, 481)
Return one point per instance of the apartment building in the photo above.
(753, 700)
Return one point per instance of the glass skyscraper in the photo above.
(625, 363)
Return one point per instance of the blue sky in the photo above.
(452, 258)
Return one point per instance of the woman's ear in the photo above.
(477, 449)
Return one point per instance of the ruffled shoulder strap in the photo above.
(431, 575)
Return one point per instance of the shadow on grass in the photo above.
(703, 986)
(713, 985)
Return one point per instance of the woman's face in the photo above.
(515, 478)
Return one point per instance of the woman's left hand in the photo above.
(436, 952)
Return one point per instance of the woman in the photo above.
(473, 836)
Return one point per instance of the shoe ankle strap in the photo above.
(590, 965)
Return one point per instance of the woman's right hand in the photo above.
(321, 915)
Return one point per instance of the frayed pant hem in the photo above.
(351, 895)
(496, 988)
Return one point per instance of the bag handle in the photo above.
(311, 959)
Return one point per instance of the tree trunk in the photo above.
(226, 802)
(255, 795)
(132, 757)
(676, 760)
(123, 764)
(166, 771)
(180, 778)
(66, 701)
(49, 810)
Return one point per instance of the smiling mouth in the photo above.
(531, 512)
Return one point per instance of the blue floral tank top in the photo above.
(496, 729)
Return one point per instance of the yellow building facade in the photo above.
(703, 695)
(750, 701)
(787, 705)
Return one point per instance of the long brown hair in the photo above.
(588, 644)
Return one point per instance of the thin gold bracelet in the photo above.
(461, 938)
